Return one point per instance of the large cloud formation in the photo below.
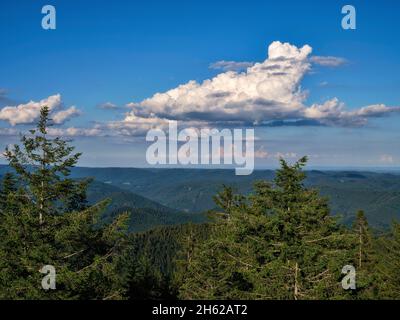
(29, 112)
(266, 93)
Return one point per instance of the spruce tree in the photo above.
(53, 225)
(388, 266)
(278, 243)
(364, 239)
(365, 260)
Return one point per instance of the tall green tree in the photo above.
(388, 266)
(365, 258)
(54, 226)
(278, 243)
(364, 239)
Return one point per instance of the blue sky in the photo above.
(123, 52)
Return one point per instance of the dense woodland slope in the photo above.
(167, 194)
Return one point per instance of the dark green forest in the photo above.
(277, 239)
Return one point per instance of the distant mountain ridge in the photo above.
(191, 190)
(145, 214)
(188, 192)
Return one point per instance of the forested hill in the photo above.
(144, 213)
(191, 190)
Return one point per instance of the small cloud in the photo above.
(8, 132)
(3, 92)
(386, 158)
(64, 115)
(231, 65)
(323, 84)
(287, 155)
(27, 113)
(76, 132)
(108, 106)
(328, 61)
(261, 153)
(5, 100)
(333, 113)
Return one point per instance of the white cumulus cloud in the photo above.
(333, 113)
(107, 106)
(64, 115)
(267, 92)
(75, 132)
(29, 112)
